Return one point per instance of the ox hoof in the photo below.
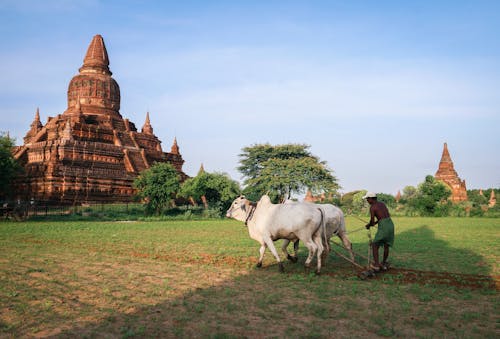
(317, 272)
(292, 259)
(281, 267)
(259, 265)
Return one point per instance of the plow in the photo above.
(363, 272)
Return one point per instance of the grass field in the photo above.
(198, 279)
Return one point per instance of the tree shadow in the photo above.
(420, 257)
(265, 303)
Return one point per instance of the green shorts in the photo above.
(385, 233)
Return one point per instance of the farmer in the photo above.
(385, 232)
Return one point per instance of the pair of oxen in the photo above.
(313, 224)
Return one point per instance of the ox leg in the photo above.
(296, 250)
(284, 248)
(318, 239)
(312, 247)
(326, 250)
(262, 250)
(347, 243)
(270, 244)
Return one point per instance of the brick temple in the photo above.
(89, 153)
(447, 174)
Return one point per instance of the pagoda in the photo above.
(447, 174)
(89, 153)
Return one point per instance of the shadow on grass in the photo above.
(420, 257)
(263, 303)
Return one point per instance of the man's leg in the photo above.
(386, 253)
(375, 254)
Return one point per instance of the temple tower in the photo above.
(89, 153)
(447, 174)
(493, 200)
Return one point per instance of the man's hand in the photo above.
(368, 226)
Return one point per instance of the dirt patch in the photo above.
(459, 280)
(401, 275)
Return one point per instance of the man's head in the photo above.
(370, 197)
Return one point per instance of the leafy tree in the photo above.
(478, 199)
(8, 165)
(283, 170)
(218, 188)
(253, 157)
(359, 205)
(387, 199)
(431, 198)
(346, 202)
(157, 186)
(409, 192)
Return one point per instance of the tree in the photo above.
(157, 186)
(253, 157)
(283, 170)
(387, 199)
(359, 205)
(8, 165)
(431, 198)
(218, 188)
(409, 192)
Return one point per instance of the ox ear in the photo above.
(244, 207)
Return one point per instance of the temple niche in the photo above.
(89, 153)
(447, 174)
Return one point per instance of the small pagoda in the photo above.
(89, 153)
(447, 174)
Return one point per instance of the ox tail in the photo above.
(345, 240)
(322, 226)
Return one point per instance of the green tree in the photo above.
(157, 186)
(359, 205)
(283, 170)
(409, 192)
(346, 202)
(387, 199)
(8, 165)
(431, 198)
(218, 188)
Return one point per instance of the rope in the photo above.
(356, 230)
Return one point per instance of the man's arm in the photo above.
(372, 222)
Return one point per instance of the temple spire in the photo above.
(147, 128)
(493, 200)
(36, 124)
(67, 133)
(175, 147)
(446, 173)
(96, 60)
(445, 157)
(202, 169)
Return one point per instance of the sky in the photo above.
(374, 87)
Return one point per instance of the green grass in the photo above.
(197, 279)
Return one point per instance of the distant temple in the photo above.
(493, 200)
(314, 198)
(447, 174)
(90, 153)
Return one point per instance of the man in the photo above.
(385, 232)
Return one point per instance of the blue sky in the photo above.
(375, 87)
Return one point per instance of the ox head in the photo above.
(239, 208)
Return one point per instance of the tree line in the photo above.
(282, 172)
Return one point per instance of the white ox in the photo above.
(335, 225)
(268, 222)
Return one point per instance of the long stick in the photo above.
(349, 260)
(369, 247)
(355, 253)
